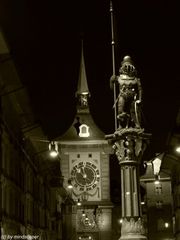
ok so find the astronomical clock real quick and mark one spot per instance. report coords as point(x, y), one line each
point(85, 175)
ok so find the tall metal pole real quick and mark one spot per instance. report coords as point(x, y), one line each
point(113, 62)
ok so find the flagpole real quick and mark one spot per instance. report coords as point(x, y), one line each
point(113, 63)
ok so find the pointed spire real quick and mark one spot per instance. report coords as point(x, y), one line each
point(82, 91)
point(82, 82)
point(83, 127)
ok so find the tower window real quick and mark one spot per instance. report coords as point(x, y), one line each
point(84, 131)
point(159, 204)
point(158, 189)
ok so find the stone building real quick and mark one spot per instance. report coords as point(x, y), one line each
point(161, 200)
point(28, 201)
point(171, 165)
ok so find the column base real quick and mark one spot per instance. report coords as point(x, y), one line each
point(133, 236)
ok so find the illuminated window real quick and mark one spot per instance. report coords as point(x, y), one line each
point(84, 131)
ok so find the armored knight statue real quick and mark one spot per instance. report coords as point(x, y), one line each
point(130, 95)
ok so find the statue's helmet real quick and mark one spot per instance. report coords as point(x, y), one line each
point(127, 67)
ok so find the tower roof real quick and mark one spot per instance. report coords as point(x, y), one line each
point(83, 128)
point(72, 134)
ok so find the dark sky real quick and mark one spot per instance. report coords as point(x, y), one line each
point(45, 43)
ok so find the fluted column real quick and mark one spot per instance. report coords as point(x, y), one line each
point(130, 193)
point(129, 145)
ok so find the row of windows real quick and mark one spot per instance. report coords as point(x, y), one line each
point(25, 197)
point(21, 179)
point(21, 208)
point(29, 184)
point(36, 215)
point(17, 170)
point(89, 155)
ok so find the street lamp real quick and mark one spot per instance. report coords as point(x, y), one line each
point(178, 149)
point(79, 202)
point(83, 213)
point(70, 186)
point(53, 148)
point(166, 224)
point(157, 180)
point(156, 167)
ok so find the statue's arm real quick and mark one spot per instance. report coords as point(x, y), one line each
point(113, 80)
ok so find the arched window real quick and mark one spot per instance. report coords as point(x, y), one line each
point(84, 130)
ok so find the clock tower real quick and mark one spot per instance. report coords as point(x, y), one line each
point(84, 156)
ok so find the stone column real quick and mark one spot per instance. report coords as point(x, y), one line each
point(129, 145)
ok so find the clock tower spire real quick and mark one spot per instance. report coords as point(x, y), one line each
point(82, 93)
point(85, 162)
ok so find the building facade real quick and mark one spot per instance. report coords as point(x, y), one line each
point(161, 200)
point(28, 202)
point(171, 164)
point(157, 204)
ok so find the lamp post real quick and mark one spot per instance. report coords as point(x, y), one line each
point(129, 142)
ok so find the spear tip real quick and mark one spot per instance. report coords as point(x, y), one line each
point(111, 6)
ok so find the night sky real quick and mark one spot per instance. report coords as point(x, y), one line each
point(45, 43)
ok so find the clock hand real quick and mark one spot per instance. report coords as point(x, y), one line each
point(83, 173)
point(87, 179)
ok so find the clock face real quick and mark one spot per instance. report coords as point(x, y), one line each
point(85, 176)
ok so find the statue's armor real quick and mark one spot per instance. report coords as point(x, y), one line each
point(128, 89)
point(129, 93)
